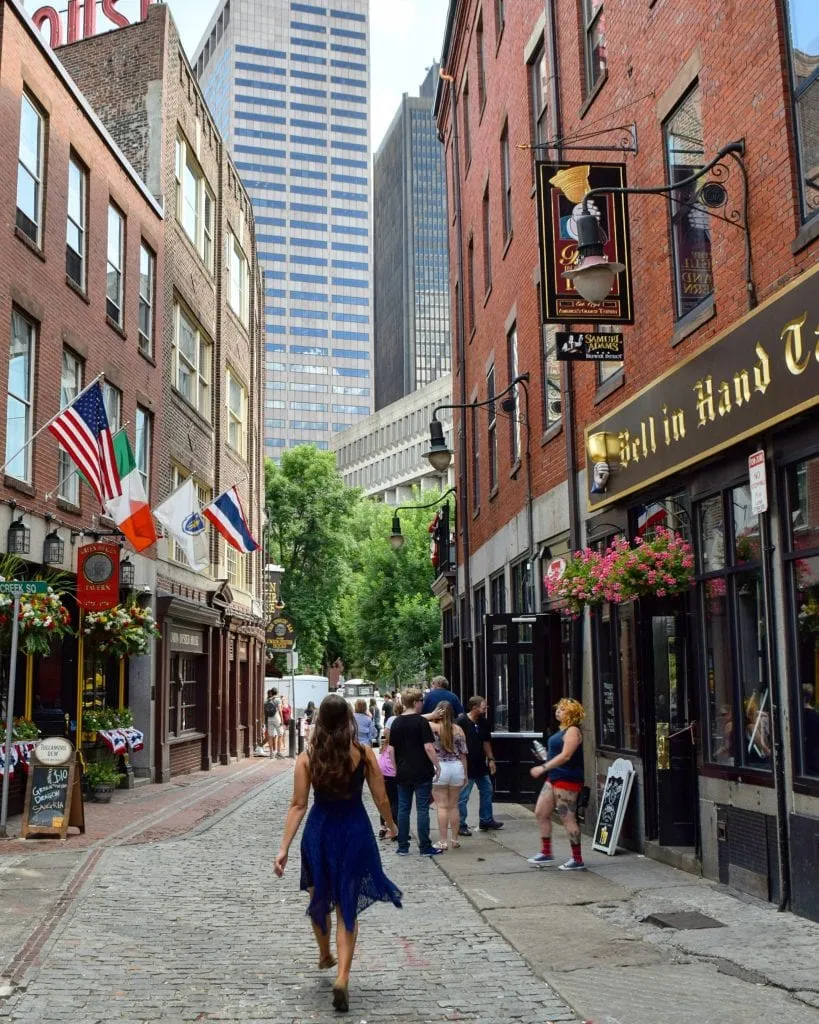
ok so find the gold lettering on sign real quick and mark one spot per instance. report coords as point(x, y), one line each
point(742, 387)
point(796, 359)
point(724, 404)
point(762, 370)
point(705, 401)
point(624, 438)
point(673, 426)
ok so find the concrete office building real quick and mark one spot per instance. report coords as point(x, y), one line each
point(411, 276)
point(384, 453)
point(288, 84)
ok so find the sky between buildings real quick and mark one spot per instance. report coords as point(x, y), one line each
point(406, 36)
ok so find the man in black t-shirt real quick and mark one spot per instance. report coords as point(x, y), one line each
point(480, 766)
point(412, 747)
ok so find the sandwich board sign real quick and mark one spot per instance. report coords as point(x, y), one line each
point(53, 794)
point(619, 779)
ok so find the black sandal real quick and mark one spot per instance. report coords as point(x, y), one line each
point(341, 1000)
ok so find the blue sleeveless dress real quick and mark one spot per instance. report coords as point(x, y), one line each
point(340, 859)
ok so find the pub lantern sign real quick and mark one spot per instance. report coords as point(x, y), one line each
point(560, 192)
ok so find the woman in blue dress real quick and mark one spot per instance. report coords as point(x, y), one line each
point(340, 863)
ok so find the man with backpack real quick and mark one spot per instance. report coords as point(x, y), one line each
point(274, 722)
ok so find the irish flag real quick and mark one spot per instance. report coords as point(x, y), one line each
point(131, 511)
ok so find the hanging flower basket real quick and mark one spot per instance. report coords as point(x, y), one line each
point(124, 631)
point(43, 618)
point(21, 729)
point(661, 566)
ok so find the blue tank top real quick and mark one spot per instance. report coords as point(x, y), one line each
point(571, 770)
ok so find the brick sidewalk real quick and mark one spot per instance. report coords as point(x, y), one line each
point(152, 812)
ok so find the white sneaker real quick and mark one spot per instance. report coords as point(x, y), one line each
point(541, 860)
point(572, 865)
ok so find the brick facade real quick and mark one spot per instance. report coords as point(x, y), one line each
point(140, 82)
point(67, 318)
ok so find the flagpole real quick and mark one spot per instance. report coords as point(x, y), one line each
point(75, 471)
point(96, 380)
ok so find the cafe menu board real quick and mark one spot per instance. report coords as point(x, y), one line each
point(53, 794)
point(613, 804)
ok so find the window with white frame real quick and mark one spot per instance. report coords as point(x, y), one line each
point(70, 386)
point(492, 431)
point(595, 42)
point(506, 182)
point(538, 92)
point(194, 201)
point(238, 292)
point(19, 398)
point(142, 450)
point(192, 362)
point(803, 38)
point(235, 565)
point(114, 278)
point(75, 229)
point(30, 164)
point(112, 400)
point(237, 413)
point(147, 285)
point(514, 426)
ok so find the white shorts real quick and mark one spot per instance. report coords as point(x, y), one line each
point(274, 727)
point(452, 774)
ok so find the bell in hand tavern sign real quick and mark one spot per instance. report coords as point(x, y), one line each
point(280, 636)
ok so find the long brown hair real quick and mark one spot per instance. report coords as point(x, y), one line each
point(333, 735)
point(445, 735)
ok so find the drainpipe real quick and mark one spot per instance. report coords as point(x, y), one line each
point(463, 490)
point(569, 425)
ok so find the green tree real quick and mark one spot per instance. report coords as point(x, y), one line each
point(310, 512)
point(389, 618)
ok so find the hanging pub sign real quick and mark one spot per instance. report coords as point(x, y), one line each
point(280, 635)
point(587, 346)
point(560, 191)
point(760, 372)
point(98, 577)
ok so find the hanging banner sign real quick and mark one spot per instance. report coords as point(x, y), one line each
point(280, 634)
point(560, 191)
point(80, 20)
point(98, 577)
point(588, 347)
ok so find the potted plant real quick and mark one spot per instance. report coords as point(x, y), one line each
point(102, 778)
point(123, 631)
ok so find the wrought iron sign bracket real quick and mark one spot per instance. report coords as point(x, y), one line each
point(627, 142)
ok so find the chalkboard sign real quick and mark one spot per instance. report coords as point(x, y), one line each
point(613, 803)
point(53, 795)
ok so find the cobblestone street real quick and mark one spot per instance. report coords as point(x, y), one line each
point(196, 928)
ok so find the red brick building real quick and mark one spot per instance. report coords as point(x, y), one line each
point(713, 695)
point(210, 665)
point(83, 254)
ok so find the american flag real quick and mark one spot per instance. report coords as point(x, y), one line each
point(82, 429)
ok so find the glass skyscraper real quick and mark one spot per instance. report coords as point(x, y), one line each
point(410, 251)
point(288, 86)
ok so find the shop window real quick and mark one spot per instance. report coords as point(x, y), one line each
point(184, 696)
point(615, 654)
point(523, 595)
point(802, 563)
point(690, 230)
point(737, 697)
point(479, 614)
point(803, 37)
point(497, 593)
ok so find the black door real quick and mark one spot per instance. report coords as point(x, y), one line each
point(674, 760)
point(518, 692)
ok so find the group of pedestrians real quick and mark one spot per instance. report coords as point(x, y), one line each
point(431, 749)
point(277, 713)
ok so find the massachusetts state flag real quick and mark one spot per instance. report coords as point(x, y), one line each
point(228, 516)
point(82, 429)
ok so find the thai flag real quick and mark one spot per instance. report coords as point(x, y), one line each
point(228, 516)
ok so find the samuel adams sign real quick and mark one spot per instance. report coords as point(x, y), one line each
point(760, 373)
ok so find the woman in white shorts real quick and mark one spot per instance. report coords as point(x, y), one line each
point(450, 746)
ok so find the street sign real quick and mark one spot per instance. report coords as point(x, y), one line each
point(759, 483)
point(23, 588)
point(587, 346)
